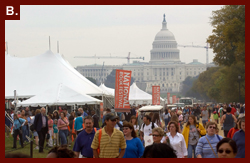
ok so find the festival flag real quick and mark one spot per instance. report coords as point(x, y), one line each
point(168, 96)
point(174, 99)
point(156, 95)
point(101, 109)
point(122, 86)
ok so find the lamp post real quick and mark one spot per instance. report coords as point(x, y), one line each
point(239, 77)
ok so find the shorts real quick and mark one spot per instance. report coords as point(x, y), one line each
point(204, 121)
point(35, 133)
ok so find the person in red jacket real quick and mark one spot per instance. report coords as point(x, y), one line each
point(233, 130)
point(233, 111)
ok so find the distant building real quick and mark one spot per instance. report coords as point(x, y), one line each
point(164, 68)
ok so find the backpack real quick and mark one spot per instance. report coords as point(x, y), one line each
point(153, 125)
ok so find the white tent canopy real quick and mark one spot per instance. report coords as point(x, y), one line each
point(109, 91)
point(31, 76)
point(138, 96)
point(59, 95)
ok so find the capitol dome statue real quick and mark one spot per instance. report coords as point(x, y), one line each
point(164, 47)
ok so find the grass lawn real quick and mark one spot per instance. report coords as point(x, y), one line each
point(26, 149)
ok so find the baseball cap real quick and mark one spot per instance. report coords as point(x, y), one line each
point(110, 116)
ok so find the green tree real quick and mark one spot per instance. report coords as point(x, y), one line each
point(228, 39)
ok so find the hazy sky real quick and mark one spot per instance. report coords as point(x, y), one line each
point(104, 30)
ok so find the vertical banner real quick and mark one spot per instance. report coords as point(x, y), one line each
point(122, 86)
point(168, 96)
point(156, 95)
point(101, 109)
point(174, 99)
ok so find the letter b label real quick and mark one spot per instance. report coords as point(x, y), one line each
point(9, 10)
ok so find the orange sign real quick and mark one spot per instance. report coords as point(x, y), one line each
point(168, 96)
point(174, 99)
point(156, 95)
point(101, 109)
point(122, 86)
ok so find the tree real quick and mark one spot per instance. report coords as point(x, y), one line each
point(187, 85)
point(92, 80)
point(228, 39)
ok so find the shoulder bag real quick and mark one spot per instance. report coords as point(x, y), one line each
point(20, 129)
point(199, 132)
point(211, 147)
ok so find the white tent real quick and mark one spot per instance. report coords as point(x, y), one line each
point(31, 76)
point(59, 95)
point(138, 96)
point(107, 90)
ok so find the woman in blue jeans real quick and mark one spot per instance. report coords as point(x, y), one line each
point(191, 134)
point(62, 125)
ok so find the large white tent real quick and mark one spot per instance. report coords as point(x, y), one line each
point(59, 95)
point(32, 75)
point(107, 90)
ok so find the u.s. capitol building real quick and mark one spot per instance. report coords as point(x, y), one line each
point(164, 68)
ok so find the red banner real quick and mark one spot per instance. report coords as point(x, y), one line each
point(168, 96)
point(156, 95)
point(174, 99)
point(122, 86)
point(101, 109)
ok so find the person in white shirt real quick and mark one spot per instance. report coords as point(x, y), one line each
point(147, 126)
point(177, 140)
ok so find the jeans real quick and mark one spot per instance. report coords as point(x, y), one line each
point(15, 133)
point(166, 121)
point(190, 150)
point(63, 134)
point(25, 132)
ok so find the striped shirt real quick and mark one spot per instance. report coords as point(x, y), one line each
point(110, 145)
point(203, 148)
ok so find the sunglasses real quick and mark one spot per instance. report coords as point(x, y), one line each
point(113, 120)
point(227, 151)
point(212, 127)
point(155, 135)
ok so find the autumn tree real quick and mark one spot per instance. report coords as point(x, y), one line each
point(228, 38)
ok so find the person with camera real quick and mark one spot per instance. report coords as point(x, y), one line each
point(17, 129)
point(192, 133)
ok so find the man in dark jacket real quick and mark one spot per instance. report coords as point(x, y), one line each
point(96, 119)
point(41, 126)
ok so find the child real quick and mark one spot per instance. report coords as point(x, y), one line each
point(56, 139)
point(50, 125)
point(216, 117)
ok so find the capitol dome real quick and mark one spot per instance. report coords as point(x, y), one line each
point(164, 34)
point(164, 46)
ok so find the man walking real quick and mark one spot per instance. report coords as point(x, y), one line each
point(84, 139)
point(96, 119)
point(83, 114)
point(41, 126)
point(111, 140)
point(147, 127)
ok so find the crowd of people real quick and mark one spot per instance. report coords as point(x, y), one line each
point(177, 133)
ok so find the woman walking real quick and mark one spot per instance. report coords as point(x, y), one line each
point(175, 119)
point(206, 147)
point(50, 126)
point(228, 121)
point(134, 122)
point(17, 130)
point(157, 134)
point(63, 128)
point(226, 148)
point(177, 140)
point(71, 133)
point(192, 133)
point(134, 147)
point(233, 130)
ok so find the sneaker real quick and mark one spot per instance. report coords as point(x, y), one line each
point(36, 148)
